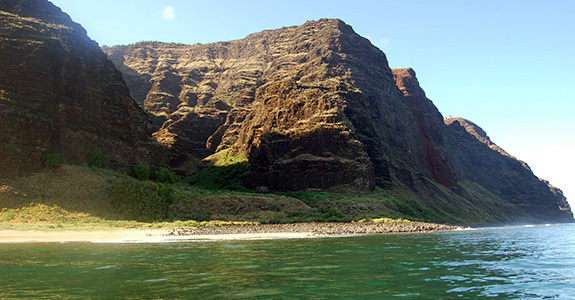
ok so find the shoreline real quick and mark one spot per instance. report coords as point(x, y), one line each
point(316, 228)
point(220, 233)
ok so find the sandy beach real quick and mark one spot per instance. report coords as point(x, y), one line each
point(225, 232)
point(127, 236)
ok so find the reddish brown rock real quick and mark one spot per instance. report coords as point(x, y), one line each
point(430, 126)
point(288, 99)
point(316, 106)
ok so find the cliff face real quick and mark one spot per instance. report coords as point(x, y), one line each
point(461, 156)
point(310, 107)
point(430, 126)
point(313, 106)
point(60, 94)
point(317, 107)
point(476, 158)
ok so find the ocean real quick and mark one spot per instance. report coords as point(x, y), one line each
point(523, 262)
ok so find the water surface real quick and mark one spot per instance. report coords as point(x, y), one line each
point(511, 263)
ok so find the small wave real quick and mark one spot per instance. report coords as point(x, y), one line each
point(407, 295)
point(156, 280)
point(107, 267)
point(464, 228)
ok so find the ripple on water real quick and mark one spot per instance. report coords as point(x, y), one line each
point(156, 280)
point(510, 263)
point(107, 267)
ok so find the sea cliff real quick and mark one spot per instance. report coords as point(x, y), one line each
point(310, 109)
point(316, 107)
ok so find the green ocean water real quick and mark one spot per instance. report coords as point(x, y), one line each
point(499, 263)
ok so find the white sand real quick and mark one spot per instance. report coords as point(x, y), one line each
point(143, 236)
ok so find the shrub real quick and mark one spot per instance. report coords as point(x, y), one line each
point(220, 177)
point(51, 160)
point(335, 213)
point(141, 172)
point(97, 159)
point(142, 201)
point(166, 176)
point(165, 190)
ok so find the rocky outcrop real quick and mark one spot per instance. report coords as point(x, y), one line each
point(312, 106)
point(60, 94)
point(430, 127)
point(316, 106)
point(476, 158)
point(462, 153)
point(482, 136)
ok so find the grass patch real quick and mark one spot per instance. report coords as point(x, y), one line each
point(38, 213)
point(37, 216)
point(226, 158)
point(412, 208)
point(490, 207)
point(351, 206)
point(159, 113)
point(84, 197)
point(199, 203)
point(225, 173)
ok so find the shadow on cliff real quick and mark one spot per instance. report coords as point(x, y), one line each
point(323, 158)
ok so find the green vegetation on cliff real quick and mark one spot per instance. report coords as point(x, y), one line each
point(84, 197)
point(303, 123)
point(147, 43)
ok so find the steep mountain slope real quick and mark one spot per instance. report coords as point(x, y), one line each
point(430, 126)
point(313, 106)
point(317, 107)
point(459, 152)
point(60, 94)
point(476, 158)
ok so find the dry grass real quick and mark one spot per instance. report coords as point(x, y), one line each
point(79, 197)
point(236, 206)
point(75, 189)
point(44, 217)
point(42, 214)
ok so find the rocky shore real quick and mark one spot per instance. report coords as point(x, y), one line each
point(313, 228)
point(220, 232)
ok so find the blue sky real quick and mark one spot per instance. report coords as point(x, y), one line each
point(506, 65)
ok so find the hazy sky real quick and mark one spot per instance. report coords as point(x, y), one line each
point(506, 65)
